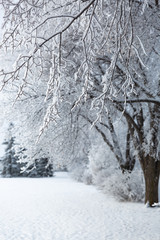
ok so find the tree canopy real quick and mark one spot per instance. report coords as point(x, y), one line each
point(79, 63)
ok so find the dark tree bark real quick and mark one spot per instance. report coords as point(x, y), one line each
point(151, 172)
point(150, 163)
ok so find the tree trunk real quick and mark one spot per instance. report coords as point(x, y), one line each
point(151, 176)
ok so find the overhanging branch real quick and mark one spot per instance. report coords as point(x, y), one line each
point(143, 100)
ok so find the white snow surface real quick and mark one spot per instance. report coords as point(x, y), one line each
point(60, 208)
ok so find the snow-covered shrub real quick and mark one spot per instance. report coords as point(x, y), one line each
point(77, 173)
point(77, 168)
point(109, 178)
point(87, 177)
point(101, 161)
point(125, 187)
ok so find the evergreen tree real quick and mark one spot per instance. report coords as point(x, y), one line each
point(12, 166)
point(40, 168)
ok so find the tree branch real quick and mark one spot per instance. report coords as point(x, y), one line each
point(142, 100)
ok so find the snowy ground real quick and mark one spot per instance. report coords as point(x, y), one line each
point(62, 209)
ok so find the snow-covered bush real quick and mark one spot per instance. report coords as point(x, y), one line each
point(109, 178)
point(101, 159)
point(77, 168)
point(125, 187)
point(87, 177)
point(77, 172)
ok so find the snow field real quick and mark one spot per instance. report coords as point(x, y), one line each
point(62, 209)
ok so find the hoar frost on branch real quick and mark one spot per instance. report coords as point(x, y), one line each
point(39, 29)
point(95, 60)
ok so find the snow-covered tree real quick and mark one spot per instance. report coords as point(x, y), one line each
point(41, 168)
point(11, 168)
point(60, 44)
